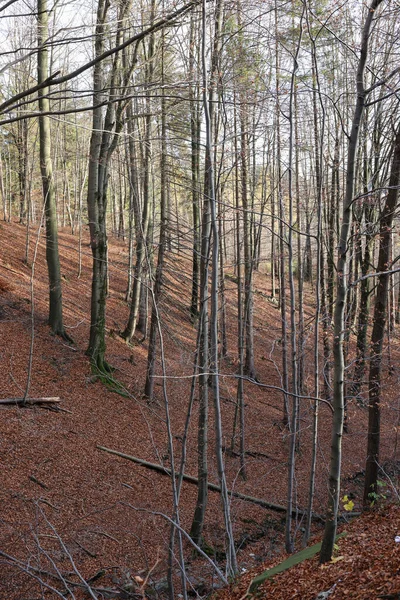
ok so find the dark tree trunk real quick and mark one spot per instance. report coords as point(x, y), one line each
point(195, 125)
point(378, 328)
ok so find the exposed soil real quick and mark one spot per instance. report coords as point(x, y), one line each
point(62, 496)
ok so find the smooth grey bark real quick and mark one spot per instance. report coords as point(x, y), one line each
point(151, 356)
point(204, 324)
point(231, 562)
point(21, 141)
point(195, 126)
point(239, 409)
point(274, 268)
point(246, 198)
point(203, 340)
point(96, 208)
point(143, 225)
point(281, 242)
point(340, 303)
point(300, 282)
point(249, 367)
point(134, 194)
point(46, 169)
point(332, 217)
point(2, 191)
point(104, 139)
point(319, 279)
point(208, 355)
point(293, 432)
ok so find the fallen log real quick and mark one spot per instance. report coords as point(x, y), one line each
point(30, 401)
point(289, 562)
point(211, 486)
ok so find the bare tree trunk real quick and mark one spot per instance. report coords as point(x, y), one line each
point(104, 139)
point(289, 541)
point(134, 199)
point(365, 259)
point(142, 230)
point(149, 385)
point(282, 245)
point(2, 191)
point(96, 209)
point(249, 367)
point(52, 255)
point(208, 354)
point(195, 171)
point(319, 279)
point(22, 148)
point(378, 328)
point(231, 563)
point(239, 409)
point(340, 304)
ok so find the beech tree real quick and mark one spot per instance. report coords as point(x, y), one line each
point(341, 295)
point(50, 207)
point(226, 144)
point(379, 324)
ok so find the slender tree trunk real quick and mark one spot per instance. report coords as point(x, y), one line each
point(102, 144)
point(142, 230)
point(149, 385)
point(378, 327)
point(2, 190)
point(340, 304)
point(289, 541)
point(195, 171)
point(52, 255)
point(231, 563)
point(134, 197)
point(368, 211)
point(332, 216)
point(300, 282)
point(282, 244)
point(249, 367)
point(319, 279)
point(208, 354)
point(239, 409)
point(22, 147)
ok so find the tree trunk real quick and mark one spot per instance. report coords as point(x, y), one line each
point(195, 125)
point(52, 255)
point(282, 245)
point(142, 226)
point(378, 328)
point(293, 434)
point(340, 304)
point(149, 385)
point(96, 209)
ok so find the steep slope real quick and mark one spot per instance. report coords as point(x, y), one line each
point(53, 475)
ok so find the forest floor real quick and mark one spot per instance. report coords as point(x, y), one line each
point(67, 504)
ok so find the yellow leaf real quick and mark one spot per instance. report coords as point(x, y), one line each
point(336, 559)
point(349, 505)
